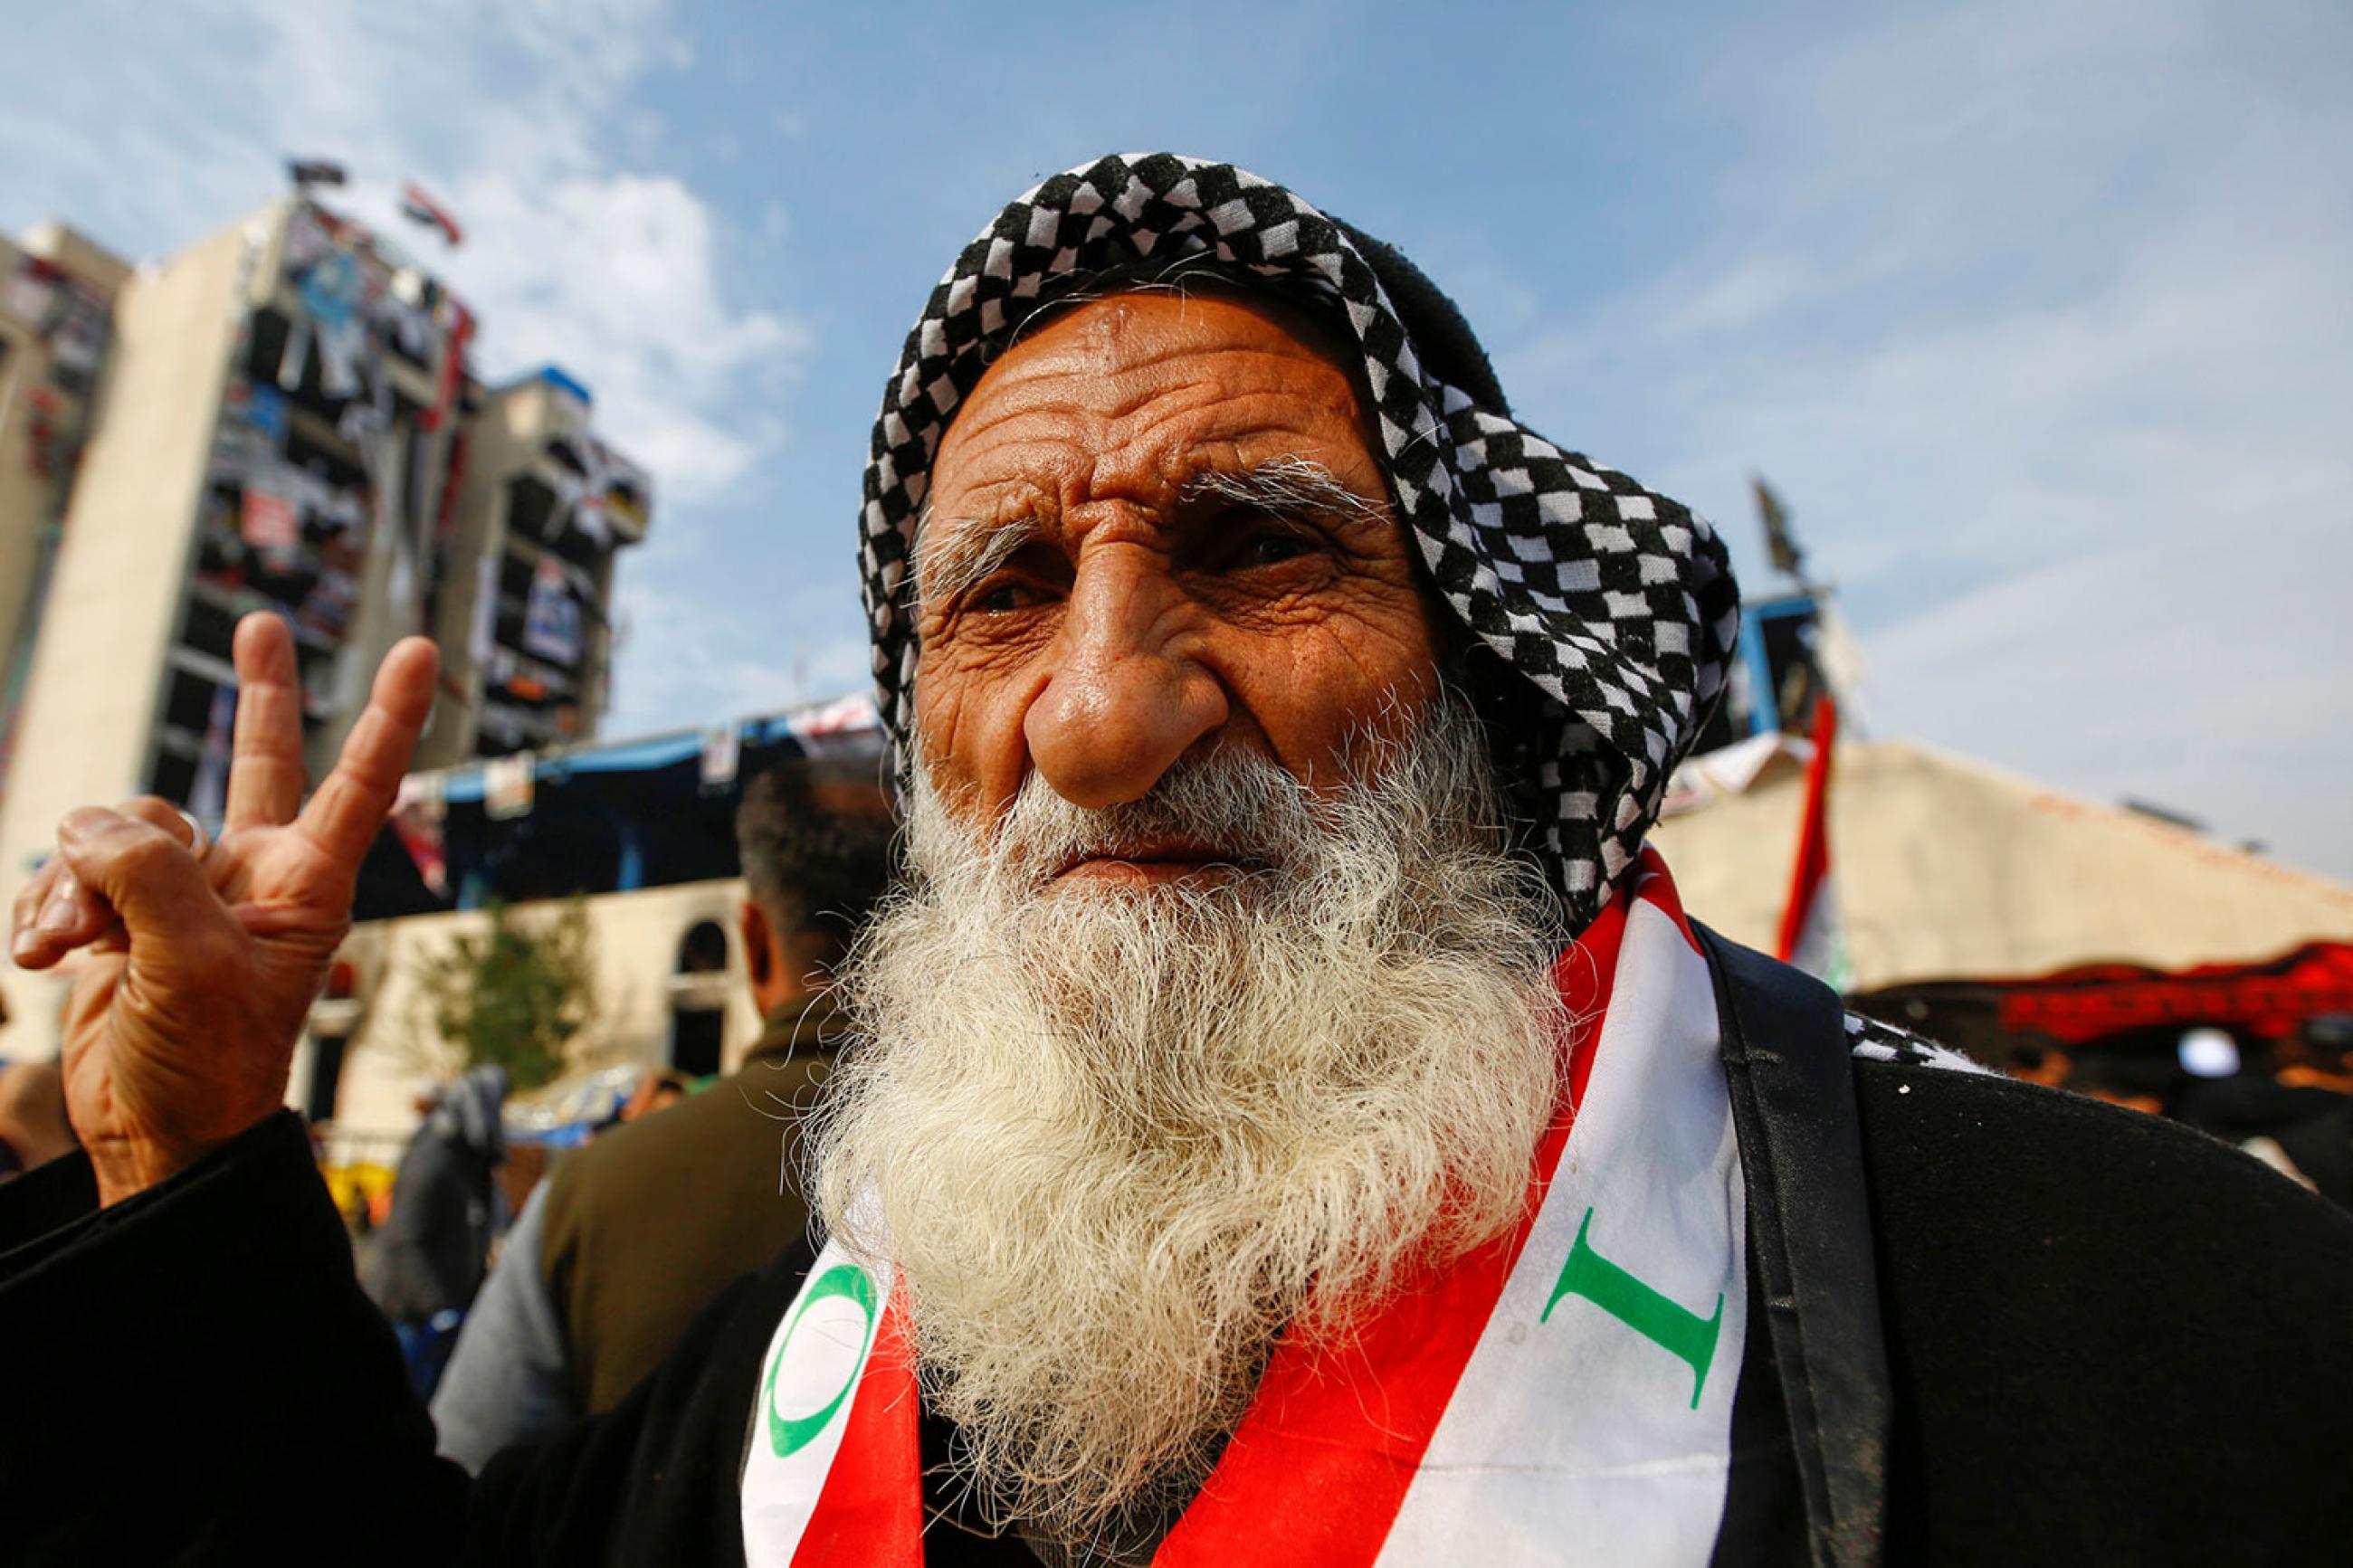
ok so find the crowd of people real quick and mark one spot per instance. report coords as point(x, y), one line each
point(1282, 1112)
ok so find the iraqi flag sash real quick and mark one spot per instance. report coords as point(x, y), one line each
point(1562, 1393)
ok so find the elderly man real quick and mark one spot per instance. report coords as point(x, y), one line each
point(1293, 1121)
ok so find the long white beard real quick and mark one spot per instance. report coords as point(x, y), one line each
point(1120, 1138)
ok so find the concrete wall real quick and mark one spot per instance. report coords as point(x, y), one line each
point(113, 608)
point(25, 496)
point(392, 1052)
point(28, 497)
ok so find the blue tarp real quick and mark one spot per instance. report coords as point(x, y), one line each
point(466, 785)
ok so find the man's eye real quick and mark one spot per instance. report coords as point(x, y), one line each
point(1001, 598)
point(1270, 549)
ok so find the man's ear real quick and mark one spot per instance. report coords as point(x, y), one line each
point(759, 946)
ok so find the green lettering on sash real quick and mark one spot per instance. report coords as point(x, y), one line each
point(1664, 1322)
point(787, 1435)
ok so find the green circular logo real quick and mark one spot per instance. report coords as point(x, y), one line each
point(788, 1435)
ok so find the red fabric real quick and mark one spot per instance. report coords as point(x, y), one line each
point(1337, 1434)
point(424, 209)
point(1654, 887)
point(870, 1513)
point(1813, 833)
point(444, 393)
point(2269, 1000)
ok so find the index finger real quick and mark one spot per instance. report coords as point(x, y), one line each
point(266, 774)
point(344, 816)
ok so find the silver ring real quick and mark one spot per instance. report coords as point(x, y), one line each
point(199, 841)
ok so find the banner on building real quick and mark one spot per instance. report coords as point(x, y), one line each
point(551, 617)
point(507, 785)
point(723, 754)
point(208, 795)
point(418, 815)
point(267, 518)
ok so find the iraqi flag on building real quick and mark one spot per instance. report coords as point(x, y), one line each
point(1812, 936)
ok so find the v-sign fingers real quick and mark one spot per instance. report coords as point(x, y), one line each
point(265, 776)
point(344, 816)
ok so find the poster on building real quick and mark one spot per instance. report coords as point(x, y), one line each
point(77, 342)
point(267, 518)
point(419, 813)
point(265, 410)
point(550, 617)
point(208, 795)
point(479, 630)
point(28, 295)
point(722, 753)
point(330, 291)
point(507, 786)
point(845, 726)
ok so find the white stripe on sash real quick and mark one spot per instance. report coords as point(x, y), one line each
point(807, 1382)
point(1583, 1429)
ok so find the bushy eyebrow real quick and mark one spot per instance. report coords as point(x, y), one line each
point(954, 553)
point(1284, 487)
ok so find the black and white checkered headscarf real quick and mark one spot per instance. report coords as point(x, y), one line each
point(1610, 611)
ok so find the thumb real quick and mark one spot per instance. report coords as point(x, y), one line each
point(146, 873)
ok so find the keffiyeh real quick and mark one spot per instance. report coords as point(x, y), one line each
point(1601, 615)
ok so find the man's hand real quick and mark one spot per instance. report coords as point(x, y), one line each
point(203, 962)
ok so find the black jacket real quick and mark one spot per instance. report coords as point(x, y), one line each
point(2105, 1340)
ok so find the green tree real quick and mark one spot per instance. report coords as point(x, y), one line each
point(520, 995)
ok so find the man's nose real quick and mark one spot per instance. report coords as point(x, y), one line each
point(1126, 697)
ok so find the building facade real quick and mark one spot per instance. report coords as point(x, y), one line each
point(641, 832)
point(281, 417)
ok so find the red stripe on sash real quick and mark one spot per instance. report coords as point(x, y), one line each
point(869, 1512)
point(1320, 1464)
point(1653, 885)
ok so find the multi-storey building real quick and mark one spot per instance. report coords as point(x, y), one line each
point(280, 417)
point(57, 293)
point(543, 505)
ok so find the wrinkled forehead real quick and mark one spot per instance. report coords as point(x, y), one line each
point(1085, 372)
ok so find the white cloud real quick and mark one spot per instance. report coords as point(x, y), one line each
point(581, 249)
point(513, 115)
point(614, 277)
point(2159, 671)
point(2037, 316)
point(688, 661)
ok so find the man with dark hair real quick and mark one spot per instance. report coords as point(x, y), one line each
point(617, 1250)
point(1288, 1119)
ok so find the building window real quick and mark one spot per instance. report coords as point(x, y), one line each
point(695, 1034)
point(326, 1077)
point(698, 1009)
point(703, 949)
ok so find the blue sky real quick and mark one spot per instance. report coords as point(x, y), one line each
point(2038, 314)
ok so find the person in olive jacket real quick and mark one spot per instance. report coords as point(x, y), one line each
point(630, 1238)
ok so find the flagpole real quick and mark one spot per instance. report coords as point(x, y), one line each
point(1813, 863)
